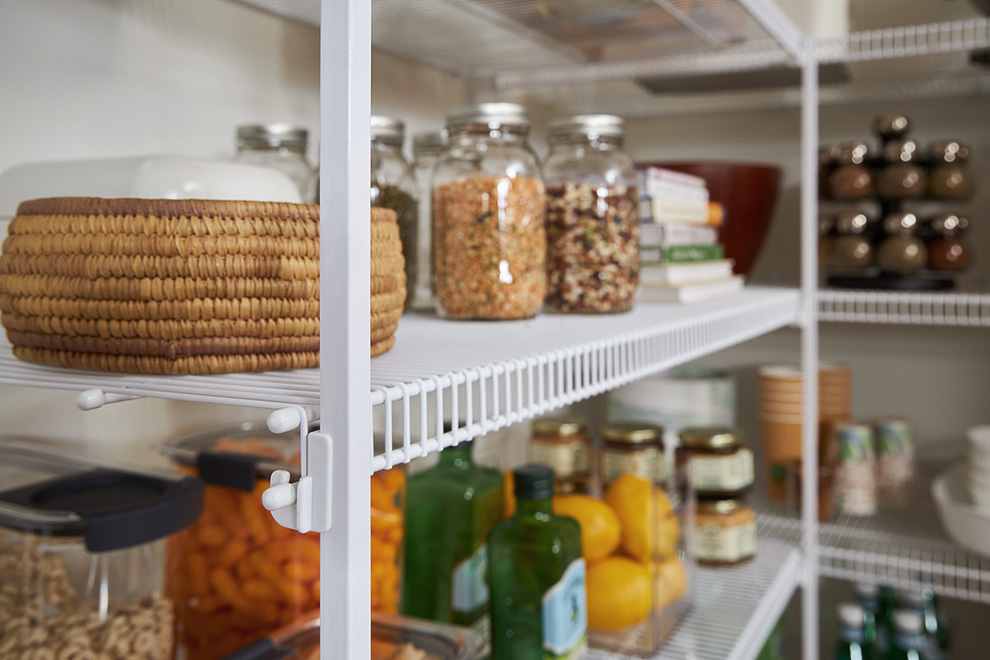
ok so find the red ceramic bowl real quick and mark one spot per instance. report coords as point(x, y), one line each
point(749, 192)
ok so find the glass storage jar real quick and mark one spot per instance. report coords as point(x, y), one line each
point(851, 248)
point(901, 177)
point(592, 216)
point(82, 568)
point(717, 464)
point(947, 251)
point(283, 147)
point(826, 228)
point(891, 126)
point(489, 205)
point(950, 176)
point(902, 250)
point(851, 179)
point(632, 448)
point(561, 444)
point(427, 148)
point(393, 186)
point(239, 575)
point(725, 532)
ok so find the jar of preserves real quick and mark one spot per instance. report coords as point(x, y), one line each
point(947, 251)
point(902, 250)
point(592, 216)
point(427, 148)
point(489, 205)
point(717, 464)
point(901, 177)
point(283, 147)
point(851, 248)
point(950, 176)
point(561, 444)
point(725, 532)
point(394, 187)
point(851, 179)
point(632, 448)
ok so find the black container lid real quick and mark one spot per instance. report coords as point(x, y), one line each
point(111, 508)
point(533, 482)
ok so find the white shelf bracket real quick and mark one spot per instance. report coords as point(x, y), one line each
point(305, 505)
point(97, 398)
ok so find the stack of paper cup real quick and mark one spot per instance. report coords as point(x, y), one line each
point(978, 467)
point(781, 412)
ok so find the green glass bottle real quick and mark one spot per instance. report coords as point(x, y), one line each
point(909, 641)
point(887, 601)
point(537, 577)
point(868, 598)
point(450, 509)
point(925, 604)
point(852, 643)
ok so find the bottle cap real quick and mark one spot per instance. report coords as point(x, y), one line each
point(850, 615)
point(388, 129)
point(533, 482)
point(603, 125)
point(907, 622)
point(504, 114)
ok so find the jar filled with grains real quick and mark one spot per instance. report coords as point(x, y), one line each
point(427, 149)
point(489, 204)
point(592, 216)
point(394, 187)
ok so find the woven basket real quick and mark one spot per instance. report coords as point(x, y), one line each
point(179, 286)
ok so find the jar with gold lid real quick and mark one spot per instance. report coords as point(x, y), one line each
point(632, 448)
point(717, 463)
point(950, 176)
point(561, 444)
point(902, 250)
point(901, 177)
point(725, 532)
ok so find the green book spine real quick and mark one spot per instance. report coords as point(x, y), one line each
point(691, 253)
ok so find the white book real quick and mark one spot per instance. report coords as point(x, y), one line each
point(685, 273)
point(679, 191)
point(678, 211)
point(673, 176)
point(690, 293)
point(663, 235)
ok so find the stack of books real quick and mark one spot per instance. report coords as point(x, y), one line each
point(681, 259)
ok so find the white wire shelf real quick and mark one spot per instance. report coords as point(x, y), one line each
point(734, 608)
point(894, 307)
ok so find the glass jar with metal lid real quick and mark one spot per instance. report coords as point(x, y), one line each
point(393, 186)
point(489, 205)
point(592, 216)
point(280, 146)
point(632, 448)
point(427, 149)
point(950, 176)
point(851, 248)
point(561, 444)
point(891, 126)
point(901, 177)
point(902, 250)
point(717, 463)
point(725, 532)
point(851, 179)
point(947, 251)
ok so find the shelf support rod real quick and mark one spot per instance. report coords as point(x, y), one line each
point(809, 347)
point(345, 307)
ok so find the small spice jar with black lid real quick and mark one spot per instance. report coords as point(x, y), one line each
point(947, 252)
point(891, 126)
point(901, 177)
point(950, 176)
point(725, 532)
point(718, 465)
point(561, 444)
point(632, 448)
point(851, 248)
point(902, 250)
point(851, 179)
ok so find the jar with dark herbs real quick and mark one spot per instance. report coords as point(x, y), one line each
point(851, 248)
point(851, 179)
point(950, 176)
point(489, 205)
point(901, 176)
point(947, 252)
point(592, 217)
point(902, 250)
point(394, 187)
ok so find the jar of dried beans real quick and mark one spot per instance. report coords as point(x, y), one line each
point(592, 217)
point(489, 238)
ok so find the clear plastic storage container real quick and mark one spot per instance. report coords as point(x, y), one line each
point(82, 558)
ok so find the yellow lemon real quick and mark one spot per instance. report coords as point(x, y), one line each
point(619, 593)
point(649, 523)
point(600, 529)
point(671, 582)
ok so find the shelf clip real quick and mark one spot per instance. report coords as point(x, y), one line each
point(305, 505)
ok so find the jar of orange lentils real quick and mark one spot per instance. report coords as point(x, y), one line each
point(236, 575)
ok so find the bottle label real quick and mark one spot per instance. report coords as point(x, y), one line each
point(726, 544)
point(565, 458)
point(722, 473)
point(649, 463)
point(468, 589)
point(565, 616)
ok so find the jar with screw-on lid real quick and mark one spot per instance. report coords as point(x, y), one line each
point(489, 205)
point(394, 187)
point(891, 126)
point(280, 146)
point(632, 448)
point(851, 179)
point(427, 148)
point(561, 444)
point(718, 464)
point(851, 248)
point(725, 532)
point(901, 177)
point(902, 250)
point(947, 251)
point(950, 176)
point(592, 216)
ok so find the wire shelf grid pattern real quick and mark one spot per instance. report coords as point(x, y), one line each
point(958, 309)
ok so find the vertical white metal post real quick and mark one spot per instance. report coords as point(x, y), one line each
point(809, 345)
point(345, 307)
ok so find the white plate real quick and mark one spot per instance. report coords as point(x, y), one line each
point(966, 524)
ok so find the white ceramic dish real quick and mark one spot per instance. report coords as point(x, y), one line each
point(966, 524)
